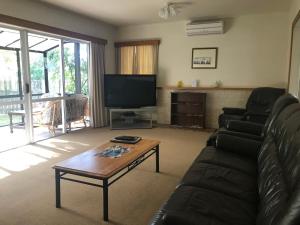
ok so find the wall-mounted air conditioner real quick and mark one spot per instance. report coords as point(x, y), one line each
point(205, 27)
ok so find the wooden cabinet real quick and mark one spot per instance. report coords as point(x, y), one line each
point(188, 109)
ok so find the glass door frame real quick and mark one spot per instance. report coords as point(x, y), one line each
point(63, 96)
point(24, 71)
point(26, 77)
point(26, 85)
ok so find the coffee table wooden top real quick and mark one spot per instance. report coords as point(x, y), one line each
point(90, 164)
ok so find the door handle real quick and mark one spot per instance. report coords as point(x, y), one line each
point(27, 88)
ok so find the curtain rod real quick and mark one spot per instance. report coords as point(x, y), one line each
point(138, 42)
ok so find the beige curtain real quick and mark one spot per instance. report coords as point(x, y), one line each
point(125, 60)
point(146, 59)
point(97, 71)
point(140, 59)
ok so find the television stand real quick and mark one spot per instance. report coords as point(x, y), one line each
point(137, 118)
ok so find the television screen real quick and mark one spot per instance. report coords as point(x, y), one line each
point(129, 91)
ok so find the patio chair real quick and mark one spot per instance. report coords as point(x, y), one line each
point(49, 116)
point(76, 109)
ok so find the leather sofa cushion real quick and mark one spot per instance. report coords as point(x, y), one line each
point(226, 159)
point(222, 179)
point(206, 207)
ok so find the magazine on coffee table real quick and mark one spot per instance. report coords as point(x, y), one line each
point(114, 151)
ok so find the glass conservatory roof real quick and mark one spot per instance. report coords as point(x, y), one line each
point(11, 39)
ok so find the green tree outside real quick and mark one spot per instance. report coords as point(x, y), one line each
point(53, 62)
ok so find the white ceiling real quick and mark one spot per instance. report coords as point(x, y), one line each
point(127, 12)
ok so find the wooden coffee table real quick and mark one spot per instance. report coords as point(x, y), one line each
point(107, 170)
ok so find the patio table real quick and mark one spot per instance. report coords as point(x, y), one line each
point(18, 113)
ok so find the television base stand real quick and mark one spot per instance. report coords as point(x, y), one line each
point(137, 118)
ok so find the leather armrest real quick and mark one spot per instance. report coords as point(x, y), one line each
point(240, 134)
point(256, 117)
point(238, 145)
point(234, 111)
point(245, 127)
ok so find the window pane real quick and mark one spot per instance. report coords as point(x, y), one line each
point(84, 68)
point(53, 66)
point(16, 44)
point(46, 45)
point(37, 72)
point(12, 125)
point(34, 40)
point(44, 67)
point(69, 62)
point(9, 81)
point(8, 36)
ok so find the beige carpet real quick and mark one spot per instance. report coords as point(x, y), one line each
point(27, 180)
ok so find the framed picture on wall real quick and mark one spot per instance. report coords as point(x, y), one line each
point(204, 58)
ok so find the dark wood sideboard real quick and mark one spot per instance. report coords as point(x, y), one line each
point(188, 109)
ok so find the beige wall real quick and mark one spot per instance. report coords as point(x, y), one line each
point(49, 15)
point(295, 63)
point(252, 52)
point(294, 85)
point(215, 101)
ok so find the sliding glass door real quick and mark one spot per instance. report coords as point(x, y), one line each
point(46, 85)
point(76, 84)
point(43, 86)
point(13, 123)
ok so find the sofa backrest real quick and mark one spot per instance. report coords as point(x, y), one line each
point(262, 99)
point(281, 103)
point(278, 171)
point(290, 214)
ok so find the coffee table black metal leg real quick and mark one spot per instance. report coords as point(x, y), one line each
point(57, 188)
point(105, 200)
point(157, 158)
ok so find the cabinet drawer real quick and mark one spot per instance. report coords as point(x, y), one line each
point(188, 97)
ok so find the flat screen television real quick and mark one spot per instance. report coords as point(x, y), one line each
point(129, 91)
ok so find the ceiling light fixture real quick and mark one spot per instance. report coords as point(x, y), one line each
point(172, 9)
point(169, 10)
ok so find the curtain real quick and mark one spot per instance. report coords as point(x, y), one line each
point(140, 59)
point(146, 59)
point(97, 70)
point(125, 59)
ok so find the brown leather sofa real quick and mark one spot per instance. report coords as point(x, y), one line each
point(258, 107)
